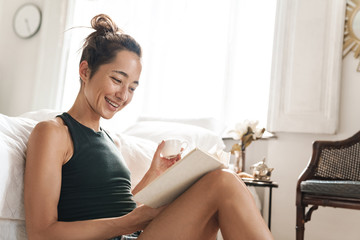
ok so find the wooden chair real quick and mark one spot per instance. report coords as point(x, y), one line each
point(331, 179)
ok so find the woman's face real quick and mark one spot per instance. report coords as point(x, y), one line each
point(112, 87)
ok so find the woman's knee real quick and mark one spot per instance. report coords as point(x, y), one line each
point(221, 178)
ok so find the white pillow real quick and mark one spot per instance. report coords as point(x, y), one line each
point(41, 115)
point(138, 145)
point(159, 130)
point(12, 229)
point(14, 134)
point(211, 124)
point(137, 153)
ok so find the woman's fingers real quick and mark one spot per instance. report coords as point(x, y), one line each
point(178, 157)
point(175, 159)
point(160, 147)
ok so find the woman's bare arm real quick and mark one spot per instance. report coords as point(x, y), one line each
point(49, 147)
point(157, 167)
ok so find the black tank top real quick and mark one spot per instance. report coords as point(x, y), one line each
point(95, 181)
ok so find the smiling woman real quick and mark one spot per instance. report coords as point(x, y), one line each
point(117, 91)
point(110, 55)
point(201, 58)
point(78, 186)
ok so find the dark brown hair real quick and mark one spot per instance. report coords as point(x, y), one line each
point(101, 46)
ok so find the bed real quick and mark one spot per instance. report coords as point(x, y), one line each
point(137, 144)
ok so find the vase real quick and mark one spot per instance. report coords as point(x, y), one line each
point(239, 161)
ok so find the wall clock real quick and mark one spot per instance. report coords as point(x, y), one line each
point(27, 20)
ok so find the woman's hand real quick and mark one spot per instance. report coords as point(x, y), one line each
point(144, 215)
point(160, 164)
point(157, 167)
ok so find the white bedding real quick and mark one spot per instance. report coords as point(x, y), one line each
point(137, 145)
point(11, 229)
point(159, 130)
point(138, 153)
point(14, 133)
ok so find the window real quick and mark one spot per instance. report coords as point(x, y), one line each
point(201, 58)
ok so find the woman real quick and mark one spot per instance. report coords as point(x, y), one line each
point(78, 187)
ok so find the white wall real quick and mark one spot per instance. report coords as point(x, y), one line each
point(288, 154)
point(30, 68)
point(17, 62)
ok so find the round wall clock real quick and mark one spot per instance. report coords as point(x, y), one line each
point(27, 20)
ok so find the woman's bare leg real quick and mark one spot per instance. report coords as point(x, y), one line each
point(219, 199)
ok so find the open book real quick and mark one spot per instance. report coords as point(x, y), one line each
point(179, 177)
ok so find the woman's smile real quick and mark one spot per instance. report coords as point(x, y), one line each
point(113, 104)
point(112, 86)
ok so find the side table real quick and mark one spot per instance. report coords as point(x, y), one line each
point(268, 184)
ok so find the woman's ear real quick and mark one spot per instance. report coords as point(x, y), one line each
point(84, 71)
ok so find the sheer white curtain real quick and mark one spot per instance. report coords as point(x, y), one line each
point(202, 58)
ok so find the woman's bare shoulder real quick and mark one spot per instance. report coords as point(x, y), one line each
point(50, 129)
point(51, 136)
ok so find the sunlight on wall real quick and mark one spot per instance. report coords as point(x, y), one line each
point(201, 58)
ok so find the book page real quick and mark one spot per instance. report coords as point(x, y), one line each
point(178, 178)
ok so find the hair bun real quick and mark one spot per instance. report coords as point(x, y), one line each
point(102, 23)
point(102, 45)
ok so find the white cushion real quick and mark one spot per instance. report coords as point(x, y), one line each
point(14, 134)
point(137, 153)
point(41, 115)
point(211, 124)
point(137, 146)
point(159, 130)
point(11, 229)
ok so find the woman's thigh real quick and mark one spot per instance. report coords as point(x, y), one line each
point(193, 215)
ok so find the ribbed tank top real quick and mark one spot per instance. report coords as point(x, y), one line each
point(95, 181)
